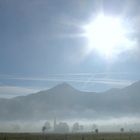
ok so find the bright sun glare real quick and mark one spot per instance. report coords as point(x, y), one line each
point(107, 36)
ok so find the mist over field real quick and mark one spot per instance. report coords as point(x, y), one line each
point(104, 125)
point(69, 66)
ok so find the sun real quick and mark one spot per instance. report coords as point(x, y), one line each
point(106, 35)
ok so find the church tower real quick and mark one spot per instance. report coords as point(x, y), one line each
point(54, 124)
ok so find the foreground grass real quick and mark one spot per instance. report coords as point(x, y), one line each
point(80, 136)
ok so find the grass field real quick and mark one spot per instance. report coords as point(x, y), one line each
point(80, 136)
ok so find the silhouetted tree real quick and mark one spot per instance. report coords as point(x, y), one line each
point(122, 130)
point(96, 131)
point(43, 129)
point(46, 127)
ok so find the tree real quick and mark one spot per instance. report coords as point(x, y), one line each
point(43, 129)
point(75, 127)
point(46, 127)
point(96, 131)
point(62, 127)
point(122, 130)
point(94, 127)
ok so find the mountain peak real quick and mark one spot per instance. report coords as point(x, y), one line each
point(64, 86)
point(63, 89)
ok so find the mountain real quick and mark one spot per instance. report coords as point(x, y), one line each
point(64, 101)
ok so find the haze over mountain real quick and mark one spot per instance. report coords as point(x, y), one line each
point(65, 102)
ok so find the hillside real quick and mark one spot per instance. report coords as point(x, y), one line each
point(64, 101)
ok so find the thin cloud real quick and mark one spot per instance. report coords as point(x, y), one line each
point(77, 78)
point(12, 91)
point(84, 79)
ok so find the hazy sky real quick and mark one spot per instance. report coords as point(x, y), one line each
point(40, 45)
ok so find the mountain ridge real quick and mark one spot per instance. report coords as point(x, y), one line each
point(64, 101)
